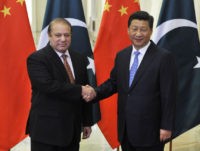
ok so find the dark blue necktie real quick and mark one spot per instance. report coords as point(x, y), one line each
point(134, 67)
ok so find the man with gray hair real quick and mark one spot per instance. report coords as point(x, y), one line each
point(58, 76)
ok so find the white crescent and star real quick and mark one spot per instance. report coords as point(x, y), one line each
point(170, 25)
point(74, 22)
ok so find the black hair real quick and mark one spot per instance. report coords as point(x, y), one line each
point(141, 15)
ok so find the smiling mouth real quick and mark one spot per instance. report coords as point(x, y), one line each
point(62, 45)
point(138, 40)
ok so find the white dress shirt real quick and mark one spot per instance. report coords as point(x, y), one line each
point(140, 57)
point(68, 60)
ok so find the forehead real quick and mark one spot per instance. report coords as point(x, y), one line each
point(60, 26)
point(137, 22)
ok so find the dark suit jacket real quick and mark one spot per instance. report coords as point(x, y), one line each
point(57, 109)
point(148, 105)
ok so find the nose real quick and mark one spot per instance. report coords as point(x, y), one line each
point(63, 38)
point(138, 33)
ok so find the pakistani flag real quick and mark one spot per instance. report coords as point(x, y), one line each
point(72, 10)
point(177, 32)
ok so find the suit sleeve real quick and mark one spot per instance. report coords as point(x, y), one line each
point(87, 112)
point(43, 79)
point(168, 88)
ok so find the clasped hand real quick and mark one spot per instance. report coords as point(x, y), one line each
point(88, 93)
point(165, 135)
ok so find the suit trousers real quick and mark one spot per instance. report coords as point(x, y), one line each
point(38, 146)
point(127, 146)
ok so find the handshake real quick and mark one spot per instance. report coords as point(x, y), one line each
point(88, 93)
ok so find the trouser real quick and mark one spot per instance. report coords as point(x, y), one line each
point(38, 146)
point(126, 146)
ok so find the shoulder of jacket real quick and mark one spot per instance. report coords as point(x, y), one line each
point(125, 50)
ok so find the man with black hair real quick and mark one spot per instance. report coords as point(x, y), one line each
point(145, 78)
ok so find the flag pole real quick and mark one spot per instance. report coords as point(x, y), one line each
point(118, 149)
point(170, 145)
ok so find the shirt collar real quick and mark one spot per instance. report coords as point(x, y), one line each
point(141, 50)
point(60, 54)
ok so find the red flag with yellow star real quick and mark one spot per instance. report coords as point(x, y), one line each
point(16, 44)
point(112, 37)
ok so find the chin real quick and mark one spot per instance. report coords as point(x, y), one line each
point(62, 50)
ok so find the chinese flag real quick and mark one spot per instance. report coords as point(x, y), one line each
point(112, 37)
point(16, 43)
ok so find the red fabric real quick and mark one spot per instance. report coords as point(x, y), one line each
point(16, 42)
point(112, 37)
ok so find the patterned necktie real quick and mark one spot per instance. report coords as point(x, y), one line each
point(68, 69)
point(134, 67)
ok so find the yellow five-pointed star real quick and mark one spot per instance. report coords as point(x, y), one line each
point(20, 1)
point(137, 1)
point(5, 11)
point(123, 10)
point(107, 6)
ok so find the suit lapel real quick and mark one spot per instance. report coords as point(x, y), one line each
point(57, 61)
point(75, 62)
point(125, 66)
point(146, 61)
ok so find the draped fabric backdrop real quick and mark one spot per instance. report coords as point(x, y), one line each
point(177, 31)
point(16, 44)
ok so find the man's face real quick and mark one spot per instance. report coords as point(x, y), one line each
point(60, 37)
point(139, 33)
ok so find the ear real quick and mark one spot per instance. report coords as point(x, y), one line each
point(49, 34)
point(128, 31)
point(151, 30)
